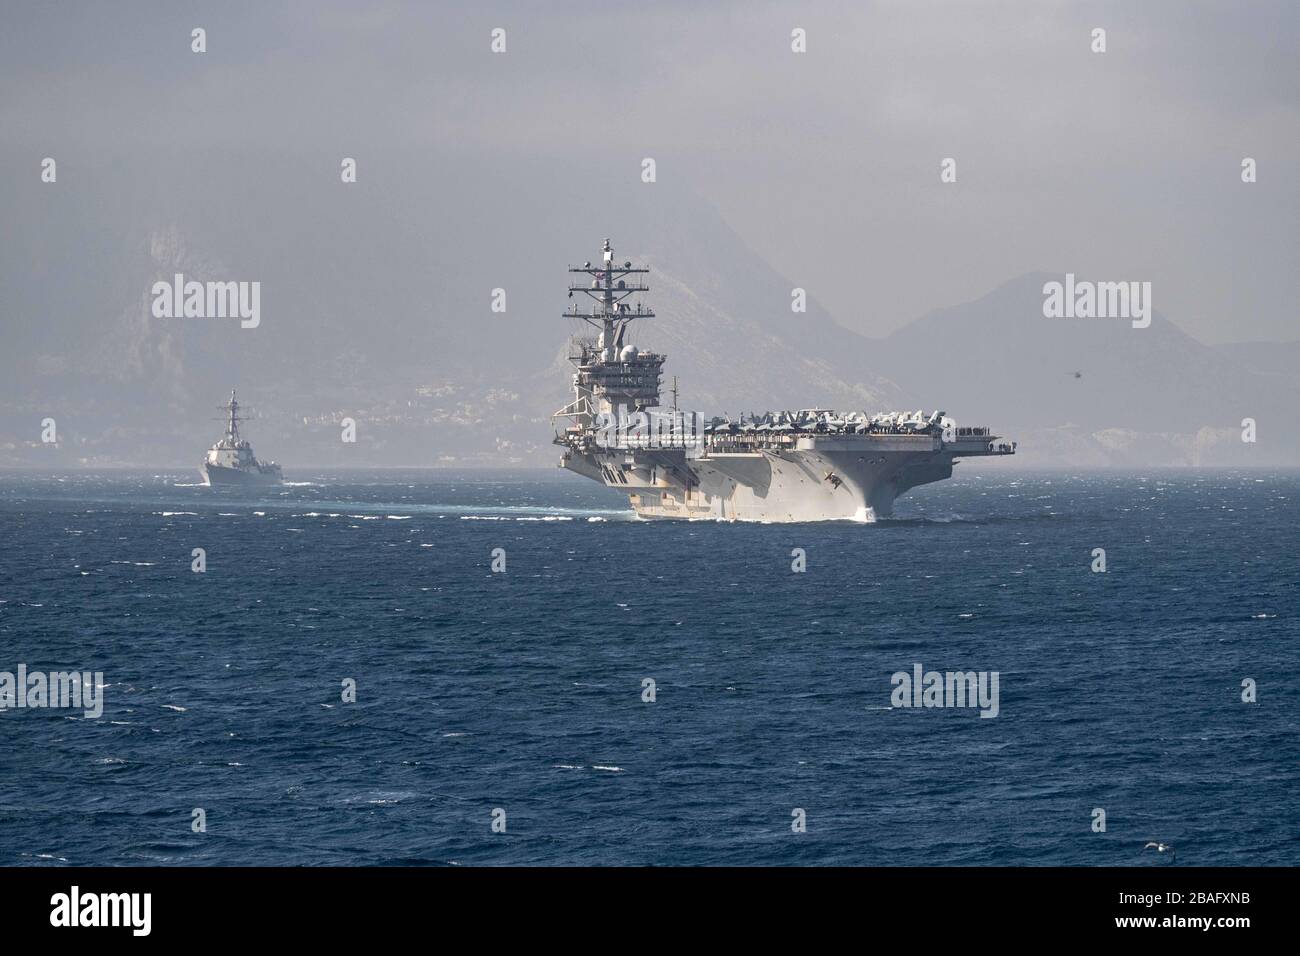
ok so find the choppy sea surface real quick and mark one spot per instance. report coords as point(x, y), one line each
point(524, 691)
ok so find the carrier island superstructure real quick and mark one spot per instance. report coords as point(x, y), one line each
point(812, 464)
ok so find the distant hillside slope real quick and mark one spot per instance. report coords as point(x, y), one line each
point(1093, 391)
point(375, 301)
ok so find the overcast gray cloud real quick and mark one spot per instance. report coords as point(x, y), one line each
point(826, 163)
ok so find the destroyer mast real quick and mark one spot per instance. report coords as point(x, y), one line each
point(233, 418)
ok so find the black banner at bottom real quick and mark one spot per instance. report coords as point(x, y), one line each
point(334, 905)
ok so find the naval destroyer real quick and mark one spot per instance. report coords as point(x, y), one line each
point(811, 464)
point(231, 461)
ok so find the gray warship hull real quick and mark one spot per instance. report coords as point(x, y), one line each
point(231, 460)
point(221, 475)
point(812, 478)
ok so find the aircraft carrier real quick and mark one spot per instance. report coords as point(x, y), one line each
point(231, 460)
point(811, 464)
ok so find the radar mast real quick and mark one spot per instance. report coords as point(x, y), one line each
point(613, 378)
point(233, 418)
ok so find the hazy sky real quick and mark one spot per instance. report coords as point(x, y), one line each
point(1122, 165)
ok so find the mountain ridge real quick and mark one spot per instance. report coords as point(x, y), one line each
point(376, 306)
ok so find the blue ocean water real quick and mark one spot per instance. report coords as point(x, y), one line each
point(523, 690)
